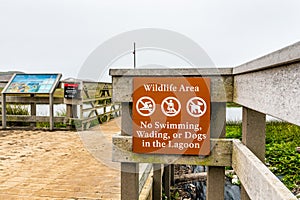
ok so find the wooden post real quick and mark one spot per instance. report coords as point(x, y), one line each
point(253, 136)
point(68, 114)
point(3, 110)
point(51, 111)
point(216, 175)
point(32, 111)
point(157, 181)
point(81, 117)
point(129, 181)
point(167, 180)
point(129, 171)
point(71, 112)
point(172, 174)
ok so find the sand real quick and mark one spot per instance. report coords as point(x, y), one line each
point(59, 164)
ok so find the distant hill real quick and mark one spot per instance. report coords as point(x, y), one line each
point(5, 76)
point(10, 72)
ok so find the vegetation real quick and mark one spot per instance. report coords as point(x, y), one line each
point(281, 155)
point(59, 113)
point(16, 109)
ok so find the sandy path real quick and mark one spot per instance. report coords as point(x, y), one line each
point(58, 165)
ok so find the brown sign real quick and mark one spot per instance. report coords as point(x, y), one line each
point(171, 115)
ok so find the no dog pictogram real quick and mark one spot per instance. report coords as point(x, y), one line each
point(196, 107)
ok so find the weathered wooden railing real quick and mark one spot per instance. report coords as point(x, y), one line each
point(94, 104)
point(269, 85)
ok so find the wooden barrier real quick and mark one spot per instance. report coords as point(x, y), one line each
point(98, 98)
point(95, 104)
point(269, 85)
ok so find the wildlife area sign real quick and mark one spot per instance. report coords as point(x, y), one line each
point(171, 115)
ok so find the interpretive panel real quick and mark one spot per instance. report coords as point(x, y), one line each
point(32, 83)
point(171, 115)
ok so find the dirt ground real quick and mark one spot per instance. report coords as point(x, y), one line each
point(59, 164)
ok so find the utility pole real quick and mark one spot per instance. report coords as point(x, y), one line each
point(134, 61)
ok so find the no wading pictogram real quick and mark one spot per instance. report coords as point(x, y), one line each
point(171, 115)
point(170, 106)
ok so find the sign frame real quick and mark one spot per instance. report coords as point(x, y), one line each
point(50, 90)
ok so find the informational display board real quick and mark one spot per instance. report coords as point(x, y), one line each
point(171, 115)
point(32, 83)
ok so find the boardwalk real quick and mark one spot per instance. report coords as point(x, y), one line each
point(58, 165)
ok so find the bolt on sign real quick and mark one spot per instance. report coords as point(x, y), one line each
point(171, 115)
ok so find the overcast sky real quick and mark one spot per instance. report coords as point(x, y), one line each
point(58, 35)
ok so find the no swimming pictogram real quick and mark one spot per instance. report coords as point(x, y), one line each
point(145, 106)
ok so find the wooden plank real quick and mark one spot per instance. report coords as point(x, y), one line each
point(272, 91)
point(29, 100)
point(89, 119)
point(282, 56)
point(73, 101)
point(99, 107)
point(26, 118)
point(221, 81)
point(95, 99)
point(221, 88)
point(220, 154)
point(257, 179)
point(145, 171)
point(171, 72)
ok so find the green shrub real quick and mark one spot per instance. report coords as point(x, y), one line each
point(281, 141)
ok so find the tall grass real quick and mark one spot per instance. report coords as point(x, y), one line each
point(16, 109)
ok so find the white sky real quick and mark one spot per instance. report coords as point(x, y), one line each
point(58, 35)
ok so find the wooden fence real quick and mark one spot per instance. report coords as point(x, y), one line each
point(269, 85)
point(93, 106)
